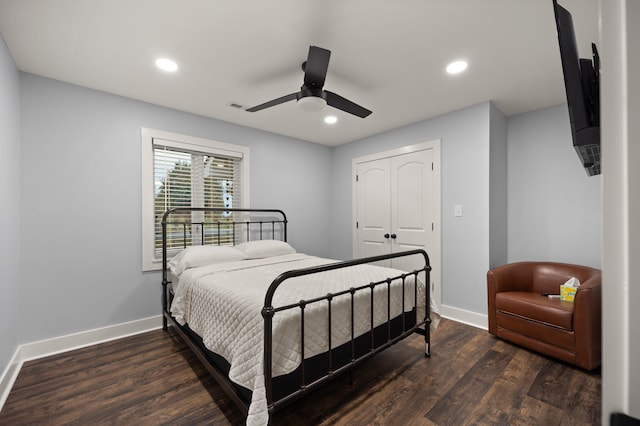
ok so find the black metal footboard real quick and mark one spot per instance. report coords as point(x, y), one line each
point(418, 326)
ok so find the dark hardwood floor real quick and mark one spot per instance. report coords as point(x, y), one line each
point(152, 379)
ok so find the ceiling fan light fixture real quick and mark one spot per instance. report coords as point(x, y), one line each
point(331, 119)
point(312, 103)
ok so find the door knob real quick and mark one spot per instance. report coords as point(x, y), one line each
point(386, 235)
point(393, 236)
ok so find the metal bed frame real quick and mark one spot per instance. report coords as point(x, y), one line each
point(266, 229)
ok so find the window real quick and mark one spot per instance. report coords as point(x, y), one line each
point(182, 171)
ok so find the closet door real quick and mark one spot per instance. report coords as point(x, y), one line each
point(374, 207)
point(396, 207)
point(411, 195)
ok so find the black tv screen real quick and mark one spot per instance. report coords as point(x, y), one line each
point(581, 81)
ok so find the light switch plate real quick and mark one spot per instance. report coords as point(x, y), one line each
point(457, 210)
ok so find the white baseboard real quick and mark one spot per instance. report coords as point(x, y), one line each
point(466, 317)
point(56, 345)
point(9, 377)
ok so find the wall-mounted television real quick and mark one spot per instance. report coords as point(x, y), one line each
point(582, 85)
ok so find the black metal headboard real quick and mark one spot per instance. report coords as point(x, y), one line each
point(186, 226)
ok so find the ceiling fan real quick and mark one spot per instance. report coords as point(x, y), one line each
point(311, 97)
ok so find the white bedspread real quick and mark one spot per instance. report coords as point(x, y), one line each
point(222, 303)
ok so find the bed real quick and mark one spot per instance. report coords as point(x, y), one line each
point(271, 324)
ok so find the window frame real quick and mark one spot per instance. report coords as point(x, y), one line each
point(191, 143)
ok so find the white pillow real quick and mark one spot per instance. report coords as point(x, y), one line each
point(195, 256)
point(265, 248)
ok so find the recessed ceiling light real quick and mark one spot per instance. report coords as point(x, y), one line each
point(331, 119)
point(457, 67)
point(166, 64)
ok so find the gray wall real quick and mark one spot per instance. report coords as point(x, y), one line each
point(555, 209)
point(80, 198)
point(10, 211)
point(524, 193)
point(465, 141)
point(81, 202)
point(498, 191)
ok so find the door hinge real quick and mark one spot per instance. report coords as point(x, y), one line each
point(356, 225)
point(432, 226)
point(431, 166)
point(356, 178)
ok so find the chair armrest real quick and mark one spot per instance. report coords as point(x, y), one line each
point(587, 322)
point(509, 277)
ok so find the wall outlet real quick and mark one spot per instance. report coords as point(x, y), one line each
point(457, 210)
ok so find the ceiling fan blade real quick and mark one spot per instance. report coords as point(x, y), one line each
point(346, 105)
point(274, 102)
point(315, 70)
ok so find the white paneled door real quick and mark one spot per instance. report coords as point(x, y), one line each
point(373, 183)
point(397, 205)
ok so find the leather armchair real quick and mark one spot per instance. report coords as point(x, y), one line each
point(519, 313)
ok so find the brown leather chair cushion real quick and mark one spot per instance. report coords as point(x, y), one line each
point(536, 308)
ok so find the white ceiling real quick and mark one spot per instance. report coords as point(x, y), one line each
point(388, 56)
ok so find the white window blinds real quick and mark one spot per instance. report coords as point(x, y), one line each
point(188, 178)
